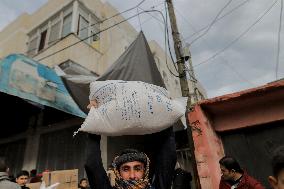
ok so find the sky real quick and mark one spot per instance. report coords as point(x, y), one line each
point(237, 51)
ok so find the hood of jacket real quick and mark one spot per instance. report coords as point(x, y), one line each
point(4, 175)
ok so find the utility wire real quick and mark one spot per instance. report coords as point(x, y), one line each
point(171, 56)
point(239, 37)
point(226, 63)
point(136, 6)
point(139, 19)
point(164, 22)
point(279, 40)
point(226, 14)
point(212, 23)
point(166, 39)
point(155, 6)
point(167, 36)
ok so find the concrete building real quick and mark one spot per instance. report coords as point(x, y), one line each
point(47, 36)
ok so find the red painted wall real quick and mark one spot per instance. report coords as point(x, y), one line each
point(208, 149)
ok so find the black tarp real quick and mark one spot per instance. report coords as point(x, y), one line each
point(14, 154)
point(135, 64)
point(252, 147)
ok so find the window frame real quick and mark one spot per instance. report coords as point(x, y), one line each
point(93, 26)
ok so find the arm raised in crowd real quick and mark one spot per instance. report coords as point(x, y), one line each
point(96, 173)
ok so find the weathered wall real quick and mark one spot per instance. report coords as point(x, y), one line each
point(208, 149)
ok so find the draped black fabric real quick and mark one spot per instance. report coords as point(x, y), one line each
point(60, 151)
point(135, 64)
point(252, 147)
point(12, 150)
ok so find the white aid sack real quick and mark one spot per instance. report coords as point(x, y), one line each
point(131, 108)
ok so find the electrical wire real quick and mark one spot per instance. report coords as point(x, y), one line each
point(171, 56)
point(239, 37)
point(152, 15)
point(165, 40)
point(226, 14)
point(279, 40)
point(136, 6)
point(139, 19)
point(167, 37)
point(212, 23)
point(226, 63)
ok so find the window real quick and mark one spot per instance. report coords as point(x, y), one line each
point(67, 21)
point(83, 26)
point(32, 48)
point(60, 25)
point(42, 40)
point(54, 32)
point(95, 29)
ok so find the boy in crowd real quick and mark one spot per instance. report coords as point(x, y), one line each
point(22, 179)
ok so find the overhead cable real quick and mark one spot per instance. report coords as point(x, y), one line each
point(171, 56)
point(127, 10)
point(226, 14)
point(212, 23)
point(239, 37)
point(279, 40)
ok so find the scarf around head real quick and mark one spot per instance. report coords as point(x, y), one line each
point(120, 183)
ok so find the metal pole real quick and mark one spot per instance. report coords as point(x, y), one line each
point(184, 85)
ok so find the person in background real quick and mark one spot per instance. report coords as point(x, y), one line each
point(83, 184)
point(277, 180)
point(22, 179)
point(34, 177)
point(5, 182)
point(182, 178)
point(234, 177)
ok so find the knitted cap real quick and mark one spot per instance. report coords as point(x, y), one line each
point(129, 155)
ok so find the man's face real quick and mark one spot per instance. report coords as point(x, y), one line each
point(22, 180)
point(226, 173)
point(134, 170)
point(277, 183)
point(84, 184)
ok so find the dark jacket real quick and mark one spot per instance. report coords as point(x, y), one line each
point(247, 182)
point(164, 143)
point(24, 187)
point(6, 183)
point(182, 179)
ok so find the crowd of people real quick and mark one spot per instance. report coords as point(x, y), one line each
point(131, 170)
point(23, 178)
